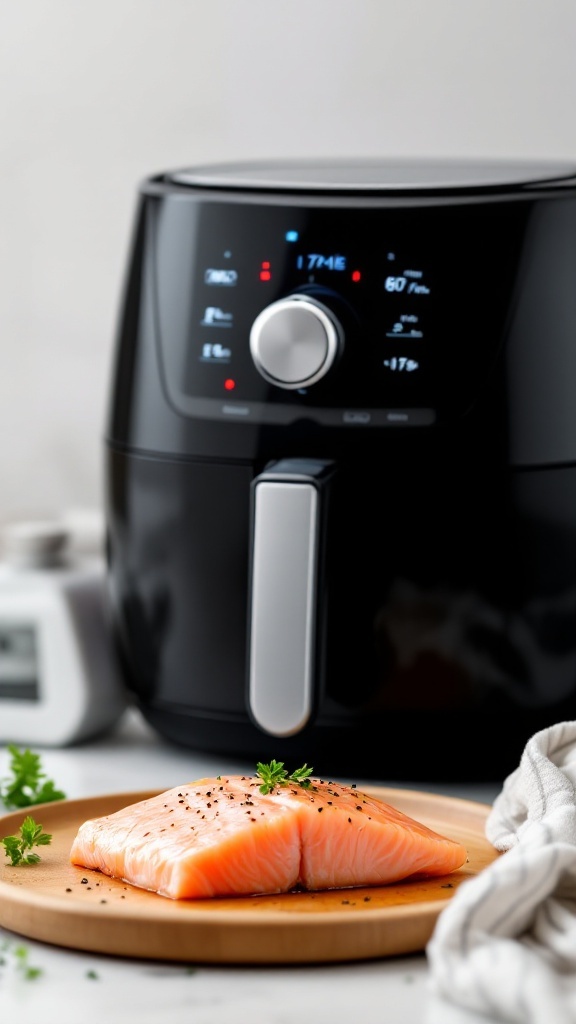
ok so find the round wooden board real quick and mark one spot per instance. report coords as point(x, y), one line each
point(55, 902)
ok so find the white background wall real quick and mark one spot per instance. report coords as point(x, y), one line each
point(96, 95)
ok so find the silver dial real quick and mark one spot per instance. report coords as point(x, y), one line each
point(295, 341)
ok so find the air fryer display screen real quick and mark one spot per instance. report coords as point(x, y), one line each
point(420, 293)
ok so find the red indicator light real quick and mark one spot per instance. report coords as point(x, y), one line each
point(356, 275)
point(229, 384)
point(265, 273)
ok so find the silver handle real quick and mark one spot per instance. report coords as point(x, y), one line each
point(286, 547)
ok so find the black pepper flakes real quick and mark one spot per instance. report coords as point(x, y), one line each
point(84, 881)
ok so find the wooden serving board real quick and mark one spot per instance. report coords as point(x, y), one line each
point(59, 903)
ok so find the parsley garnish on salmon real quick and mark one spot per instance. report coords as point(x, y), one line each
point(275, 774)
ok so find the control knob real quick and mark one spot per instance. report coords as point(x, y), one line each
point(295, 341)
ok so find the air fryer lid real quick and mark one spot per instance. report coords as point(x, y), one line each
point(374, 175)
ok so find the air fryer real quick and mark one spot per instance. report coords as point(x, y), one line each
point(340, 463)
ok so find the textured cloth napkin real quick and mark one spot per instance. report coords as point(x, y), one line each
point(505, 946)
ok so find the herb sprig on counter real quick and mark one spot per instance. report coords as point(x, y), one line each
point(30, 835)
point(19, 956)
point(275, 774)
point(28, 784)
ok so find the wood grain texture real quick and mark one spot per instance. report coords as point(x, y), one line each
point(59, 903)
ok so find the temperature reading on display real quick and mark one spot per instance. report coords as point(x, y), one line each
point(401, 363)
point(319, 261)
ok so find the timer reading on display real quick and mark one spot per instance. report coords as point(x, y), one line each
point(319, 261)
point(406, 283)
point(312, 262)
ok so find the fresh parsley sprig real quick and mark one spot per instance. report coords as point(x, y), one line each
point(275, 774)
point(30, 835)
point(28, 784)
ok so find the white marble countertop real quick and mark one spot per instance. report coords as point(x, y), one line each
point(75, 986)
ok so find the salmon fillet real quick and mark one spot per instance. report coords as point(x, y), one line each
point(222, 837)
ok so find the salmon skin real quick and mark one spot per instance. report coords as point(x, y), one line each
point(223, 837)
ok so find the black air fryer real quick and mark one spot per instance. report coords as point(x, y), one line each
point(341, 463)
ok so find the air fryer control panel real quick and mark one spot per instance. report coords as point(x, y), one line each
point(372, 315)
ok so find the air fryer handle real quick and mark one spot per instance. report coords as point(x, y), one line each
point(288, 513)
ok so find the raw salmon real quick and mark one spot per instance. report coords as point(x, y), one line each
point(222, 836)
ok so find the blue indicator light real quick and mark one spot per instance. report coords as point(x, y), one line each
point(291, 236)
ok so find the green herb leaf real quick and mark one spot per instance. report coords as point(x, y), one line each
point(30, 973)
point(301, 776)
point(28, 784)
point(274, 774)
point(30, 835)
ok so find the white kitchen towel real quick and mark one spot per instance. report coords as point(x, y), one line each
point(505, 946)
